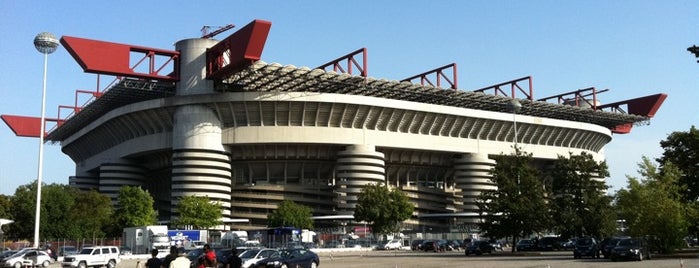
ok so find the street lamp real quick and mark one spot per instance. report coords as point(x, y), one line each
point(46, 43)
point(514, 106)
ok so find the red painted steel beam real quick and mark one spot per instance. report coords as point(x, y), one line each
point(644, 106)
point(439, 73)
point(514, 87)
point(351, 63)
point(237, 51)
point(109, 58)
point(25, 126)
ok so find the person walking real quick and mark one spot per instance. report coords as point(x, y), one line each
point(153, 262)
point(208, 259)
point(233, 260)
point(170, 257)
point(181, 261)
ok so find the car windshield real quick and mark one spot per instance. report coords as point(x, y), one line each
point(250, 253)
point(628, 242)
point(584, 242)
point(86, 251)
point(524, 242)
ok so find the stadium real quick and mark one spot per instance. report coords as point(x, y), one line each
point(210, 118)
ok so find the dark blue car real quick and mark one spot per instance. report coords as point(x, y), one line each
point(290, 258)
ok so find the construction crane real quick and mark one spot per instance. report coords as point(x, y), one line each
point(206, 34)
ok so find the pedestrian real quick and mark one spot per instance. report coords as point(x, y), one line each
point(208, 259)
point(181, 261)
point(154, 262)
point(170, 257)
point(233, 260)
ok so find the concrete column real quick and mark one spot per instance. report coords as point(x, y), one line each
point(472, 175)
point(357, 166)
point(200, 163)
point(114, 175)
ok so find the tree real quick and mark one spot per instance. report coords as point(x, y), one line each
point(92, 212)
point(199, 212)
point(288, 213)
point(682, 150)
point(382, 208)
point(651, 206)
point(135, 208)
point(23, 206)
point(56, 200)
point(517, 207)
point(578, 204)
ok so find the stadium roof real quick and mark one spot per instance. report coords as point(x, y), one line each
point(264, 77)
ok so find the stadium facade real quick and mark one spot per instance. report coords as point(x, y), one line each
point(221, 123)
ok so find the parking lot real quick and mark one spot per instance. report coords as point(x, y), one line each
point(407, 259)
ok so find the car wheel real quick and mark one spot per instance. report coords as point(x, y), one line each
point(640, 256)
point(284, 265)
point(111, 264)
point(314, 265)
point(18, 264)
point(46, 263)
point(82, 265)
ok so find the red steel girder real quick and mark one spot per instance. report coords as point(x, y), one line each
point(237, 51)
point(26, 126)
point(514, 87)
point(644, 106)
point(351, 63)
point(109, 58)
point(440, 74)
point(578, 96)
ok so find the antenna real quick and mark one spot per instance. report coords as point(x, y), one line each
point(205, 30)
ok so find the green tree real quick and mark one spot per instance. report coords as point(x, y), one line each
point(682, 150)
point(651, 206)
point(578, 204)
point(135, 208)
point(288, 213)
point(517, 207)
point(93, 213)
point(5, 207)
point(199, 212)
point(23, 206)
point(382, 208)
point(56, 199)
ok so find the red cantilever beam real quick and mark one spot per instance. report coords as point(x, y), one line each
point(25, 126)
point(644, 106)
point(237, 51)
point(109, 58)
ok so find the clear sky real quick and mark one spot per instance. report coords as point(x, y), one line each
point(634, 48)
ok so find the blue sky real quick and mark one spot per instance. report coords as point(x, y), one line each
point(633, 48)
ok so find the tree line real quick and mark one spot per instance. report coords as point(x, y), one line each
point(567, 198)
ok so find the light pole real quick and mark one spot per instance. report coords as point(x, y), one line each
point(46, 43)
point(514, 106)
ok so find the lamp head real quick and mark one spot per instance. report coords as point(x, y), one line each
point(46, 43)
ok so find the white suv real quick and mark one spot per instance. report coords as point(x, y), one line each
point(93, 257)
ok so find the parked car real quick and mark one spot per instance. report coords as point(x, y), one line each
point(586, 247)
point(631, 249)
point(5, 254)
point(607, 244)
point(301, 258)
point(393, 244)
point(434, 245)
point(37, 258)
point(67, 250)
point(569, 244)
point(455, 244)
point(417, 244)
point(525, 245)
point(251, 256)
point(549, 243)
point(479, 247)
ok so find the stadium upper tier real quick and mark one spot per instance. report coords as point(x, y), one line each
point(264, 77)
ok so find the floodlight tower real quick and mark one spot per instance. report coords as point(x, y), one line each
point(46, 43)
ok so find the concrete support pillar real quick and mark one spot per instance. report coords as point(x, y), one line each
point(357, 166)
point(114, 175)
point(200, 163)
point(472, 175)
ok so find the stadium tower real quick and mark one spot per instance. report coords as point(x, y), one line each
point(211, 119)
